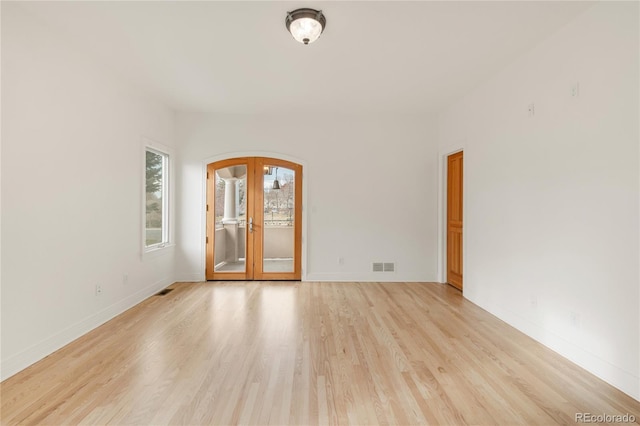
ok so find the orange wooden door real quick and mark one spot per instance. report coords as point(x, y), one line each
point(454, 219)
point(228, 248)
point(277, 218)
point(254, 230)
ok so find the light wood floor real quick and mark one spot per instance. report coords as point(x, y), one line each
point(306, 353)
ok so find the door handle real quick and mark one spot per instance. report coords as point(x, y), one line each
point(250, 224)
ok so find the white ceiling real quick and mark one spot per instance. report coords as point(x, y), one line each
point(237, 57)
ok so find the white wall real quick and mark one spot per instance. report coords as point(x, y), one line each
point(552, 201)
point(370, 188)
point(71, 193)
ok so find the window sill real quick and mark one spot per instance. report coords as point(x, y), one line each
point(158, 251)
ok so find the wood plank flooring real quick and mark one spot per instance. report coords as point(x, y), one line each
point(306, 353)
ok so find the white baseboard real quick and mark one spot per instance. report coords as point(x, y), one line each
point(616, 376)
point(33, 354)
point(367, 277)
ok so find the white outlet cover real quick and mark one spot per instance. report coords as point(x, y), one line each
point(575, 90)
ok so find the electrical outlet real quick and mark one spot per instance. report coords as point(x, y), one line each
point(98, 289)
point(125, 279)
point(575, 90)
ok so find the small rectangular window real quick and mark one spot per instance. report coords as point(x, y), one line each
point(156, 199)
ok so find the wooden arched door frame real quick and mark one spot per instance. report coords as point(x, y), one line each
point(254, 240)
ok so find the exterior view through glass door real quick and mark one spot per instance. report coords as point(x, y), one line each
point(254, 217)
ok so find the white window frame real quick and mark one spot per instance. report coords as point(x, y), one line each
point(167, 159)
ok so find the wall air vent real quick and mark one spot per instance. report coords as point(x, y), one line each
point(383, 266)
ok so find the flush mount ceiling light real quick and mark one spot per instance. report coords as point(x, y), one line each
point(306, 25)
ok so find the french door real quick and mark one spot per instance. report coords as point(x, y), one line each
point(254, 219)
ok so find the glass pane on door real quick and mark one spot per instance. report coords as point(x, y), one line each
point(279, 214)
point(230, 219)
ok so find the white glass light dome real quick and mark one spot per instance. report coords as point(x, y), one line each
point(306, 25)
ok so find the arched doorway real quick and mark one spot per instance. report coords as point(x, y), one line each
point(254, 219)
